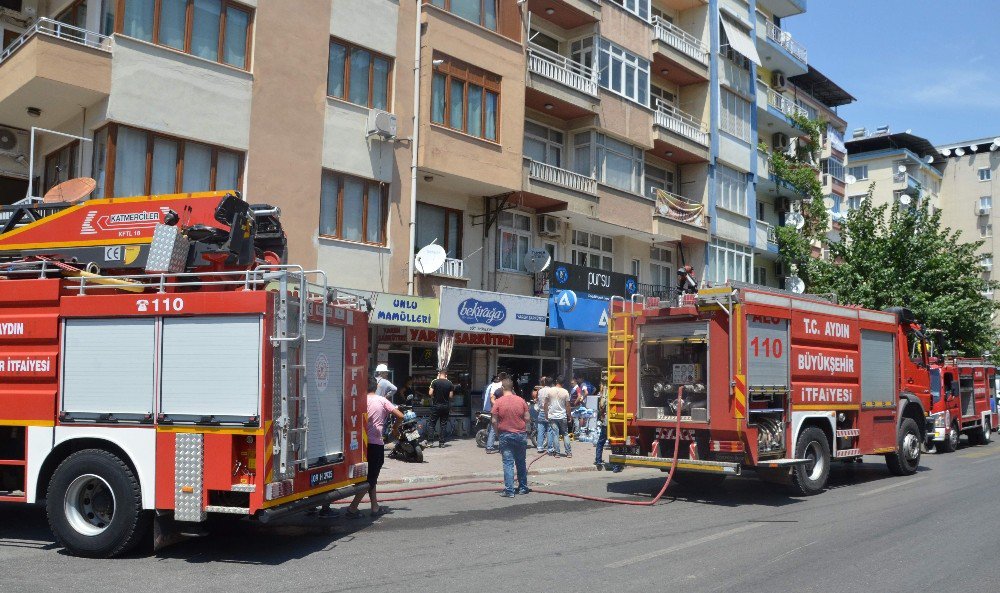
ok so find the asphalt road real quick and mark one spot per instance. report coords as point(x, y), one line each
point(935, 531)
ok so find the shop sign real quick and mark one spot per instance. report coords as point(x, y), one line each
point(409, 311)
point(578, 312)
point(489, 312)
point(401, 335)
point(592, 281)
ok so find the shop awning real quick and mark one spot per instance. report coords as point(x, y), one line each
point(740, 41)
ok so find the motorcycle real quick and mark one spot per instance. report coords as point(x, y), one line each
point(409, 445)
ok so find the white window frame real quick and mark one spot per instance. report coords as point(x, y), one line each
point(854, 202)
point(860, 172)
point(735, 113)
point(986, 202)
point(509, 230)
point(660, 265)
point(637, 268)
point(590, 150)
point(605, 256)
point(730, 255)
point(652, 179)
point(632, 77)
point(733, 187)
point(985, 174)
point(639, 8)
point(554, 141)
point(834, 167)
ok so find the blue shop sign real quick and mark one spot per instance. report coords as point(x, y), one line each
point(578, 312)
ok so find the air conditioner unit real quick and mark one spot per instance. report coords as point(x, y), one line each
point(381, 123)
point(987, 265)
point(778, 81)
point(779, 142)
point(14, 144)
point(550, 226)
point(983, 210)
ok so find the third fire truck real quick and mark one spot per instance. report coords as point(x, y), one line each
point(775, 382)
point(963, 395)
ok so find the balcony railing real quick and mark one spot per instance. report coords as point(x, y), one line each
point(680, 40)
point(765, 234)
point(561, 177)
point(452, 268)
point(783, 103)
point(660, 291)
point(676, 207)
point(784, 39)
point(675, 120)
point(562, 70)
point(58, 30)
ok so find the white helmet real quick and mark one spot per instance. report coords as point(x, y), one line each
point(382, 368)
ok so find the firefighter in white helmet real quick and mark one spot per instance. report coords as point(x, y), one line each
point(385, 387)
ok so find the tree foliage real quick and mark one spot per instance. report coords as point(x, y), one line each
point(901, 256)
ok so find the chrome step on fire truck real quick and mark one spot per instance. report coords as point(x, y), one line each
point(160, 364)
point(775, 382)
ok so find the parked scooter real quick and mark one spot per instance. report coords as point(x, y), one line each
point(409, 444)
point(483, 420)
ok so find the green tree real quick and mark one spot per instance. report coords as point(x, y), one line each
point(901, 256)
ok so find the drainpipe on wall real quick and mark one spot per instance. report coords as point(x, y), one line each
point(413, 150)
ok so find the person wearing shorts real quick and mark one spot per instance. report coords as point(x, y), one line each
point(379, 409)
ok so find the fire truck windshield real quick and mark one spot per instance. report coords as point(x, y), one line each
point(667, 363)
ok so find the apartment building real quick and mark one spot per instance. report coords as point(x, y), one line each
point(969, 182)
point(902, 166)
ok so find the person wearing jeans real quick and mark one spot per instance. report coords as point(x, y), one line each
point(602, 437)
point(542, 435)
point(511, 417)
point(555, 407)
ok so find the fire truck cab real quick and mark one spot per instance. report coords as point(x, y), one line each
point(775, 382)
point(963, 402)
point(159, 364)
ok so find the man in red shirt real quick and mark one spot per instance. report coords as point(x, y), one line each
point(510, 419)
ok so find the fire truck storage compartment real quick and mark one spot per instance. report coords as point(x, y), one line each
point(211, 367)
point(673, 354)
point(325, 394)
point(967, 388)
point(108, 368)
point(878, 377)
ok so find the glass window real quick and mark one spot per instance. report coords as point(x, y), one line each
point(658, 178)
point(130, 162)
point(474, 114)
point(592, 250)
point(490, 117)
point(173, 21)
point(732, 186)
point(61, 165)
point(380, 83)
point(515, 240)
point(623, 72)
point(619, 164)
point(163, 179)
point(358, 75)
point(138, 19)
point(735, 115)
point(100, 160)
point(543, 144)
point(227, 170)
point(374, 227)
point(859, 172)
point(984, 174)
point(640, 8)
point(335, 78)
point(481, 12)
point(471, 107)
point(197, 167)
point(729, 261)
point(329, 205)
point(353, 210)
point(439, 225)
point(235, 39)
point(205, 28)
point(456, 104)
point(438, 96)
point(582, 161)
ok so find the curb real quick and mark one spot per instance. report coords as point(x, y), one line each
point(480, 475)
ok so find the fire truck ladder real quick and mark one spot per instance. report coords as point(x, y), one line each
point(291, 421)
point(619, 344)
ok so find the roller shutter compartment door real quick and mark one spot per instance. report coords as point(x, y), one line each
point(109, 366)
point(324, 363)
point(878, 363)
point(211, 366)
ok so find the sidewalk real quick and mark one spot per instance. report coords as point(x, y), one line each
point(462, 460)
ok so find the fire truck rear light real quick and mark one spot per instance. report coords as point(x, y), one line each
point(727, 446)
point(278, 490)
point(358, 470)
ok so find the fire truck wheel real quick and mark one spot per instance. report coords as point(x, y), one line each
point(981, 436)
point(94, 505)
point(810, 478)
point(907, 456)
point(951, 443)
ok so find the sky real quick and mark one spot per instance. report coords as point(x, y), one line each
point(931, 66)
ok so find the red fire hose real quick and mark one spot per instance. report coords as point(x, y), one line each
point(645, 503)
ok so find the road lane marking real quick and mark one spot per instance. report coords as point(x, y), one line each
point(978, 454)
point(683, 546)
point(890, 486)
point(986, 458)
point(789, 552)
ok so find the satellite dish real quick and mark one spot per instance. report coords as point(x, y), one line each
point(909, 130)
point(905, 199)
point(430, 259)
point(946, 153)
point(973, 148)
point(959, 152)
point(929, 159)
point(663, 209)
point(796, 220)
point(795, 284)
point(901, 168)
point(537, 260)
point(851, 179)
point(996, 141)
point(71, 191)
point(994, 146)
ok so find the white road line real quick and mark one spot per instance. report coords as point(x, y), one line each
point(891, 486)
point(985, 459)
point(683, 546)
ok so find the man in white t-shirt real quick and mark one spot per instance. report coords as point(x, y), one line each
point(489, 398)
point(555, 405)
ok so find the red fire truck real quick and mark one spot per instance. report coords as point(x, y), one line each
point(963, 392)
point(159, 364)
point(776, 382)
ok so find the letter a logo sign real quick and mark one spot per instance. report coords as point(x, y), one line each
point(604, 319)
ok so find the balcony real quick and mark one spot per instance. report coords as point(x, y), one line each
point(909, 183)
point(783, 8)
point(545, 173)
point(451, 273)
point(671, 118)
point(678, 208)
point(566, 14)
point(559, 86)
point(55, 67)
point(766, 238)
point(779, 51)
point(784, 104)
point(679, 55)
point(776, 112)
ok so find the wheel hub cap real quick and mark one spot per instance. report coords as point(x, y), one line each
point(911, 447)
point(89, 504)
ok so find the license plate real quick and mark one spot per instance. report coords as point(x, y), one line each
point(413, 435)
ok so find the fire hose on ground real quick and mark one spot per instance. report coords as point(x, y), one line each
point(643, 503)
